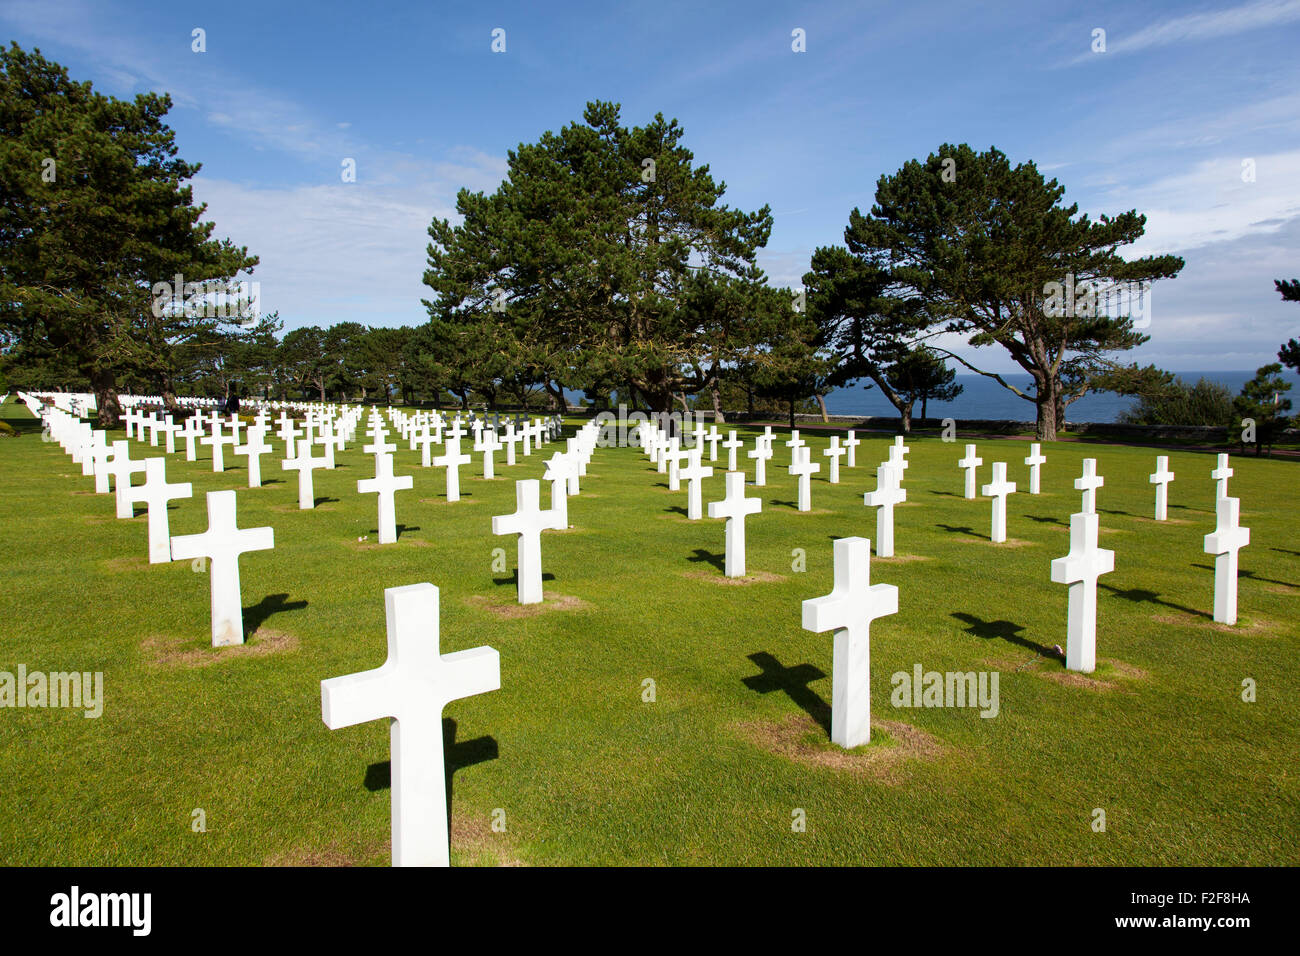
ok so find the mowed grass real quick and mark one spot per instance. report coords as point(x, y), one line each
point(569, 756)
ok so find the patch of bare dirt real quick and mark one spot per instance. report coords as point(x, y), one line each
point(132, 562)
point(165, 651)
point(1009, 543)
point(444, 501)
point(470, 836)
point(371, 543)
point(899, 558)
point(512, 610)
point(475, 836)
point(1253, 625)
point(881, 760)
point(1052, 669)
point(753, 577)
point(320, 856)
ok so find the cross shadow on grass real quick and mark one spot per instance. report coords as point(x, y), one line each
point(1286, 551)
point(1252, 575)
point(1002, 630)
point(785, 504)
point(677, 508)
point(457, 755)
point(323, 501)
point(950, 494)
point(962, 529)
point(513, 579)
point(719, 561)
point(256, 615)
point(1048, 519)
point(1143, 596)
point(794, 682)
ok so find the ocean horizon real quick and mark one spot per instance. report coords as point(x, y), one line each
point(984, 398)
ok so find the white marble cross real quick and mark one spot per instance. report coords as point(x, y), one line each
point(1161, 480)
point(734, 507)
point(675, 455)
point(900, 463)
point(713, 437)
point(1227, 539)
point(794, 442)
point(900, 452)
point(218, 442)
point(255, 449)
point(1221, 475)
point(694, 473)
point(425, 440)
point(304, 464)
point(288, 433)
point(804, 467)
point(574, 465)
point(970, 464)
point(329, 441)
point(489, 445)
point(411, 689)
point(385, 484)
point(222, 544)
point(1080, 570)
point(852, 443)
point(761, 453)
point(511, 440)
point(854, 602)
point(528, 522)
point(560, 467)
point(452, 461)
point(1035, 462)
point(1089, 484)
point(998, 490)
point(169, 429)
point(378, 447)
point(192, 430)
point(155, 492)
point(834, 453)
point(731, 444)
point(888, 493)
point(122, 468)
point(101, 453)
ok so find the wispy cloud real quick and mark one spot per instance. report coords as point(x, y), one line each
point(1193, 27)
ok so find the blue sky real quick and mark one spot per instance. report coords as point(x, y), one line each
point(1162, 122)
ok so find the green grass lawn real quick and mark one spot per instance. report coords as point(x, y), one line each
point(735, 742)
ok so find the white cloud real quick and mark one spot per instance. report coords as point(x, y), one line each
point(1211, 203)
point(346, 252)
point(1211, 25)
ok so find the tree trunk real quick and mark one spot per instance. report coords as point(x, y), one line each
point(109, 409)
point(169, 396)
point(1047, 410)
point(925, 400)
point(681, 398)
point(905, 413)
point(792, 414)
point(821, 402)
point(718, 417)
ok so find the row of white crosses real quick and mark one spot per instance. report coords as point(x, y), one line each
point(971, 463)
point(529, 520)
point(1225, 542)
point(221, 544)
